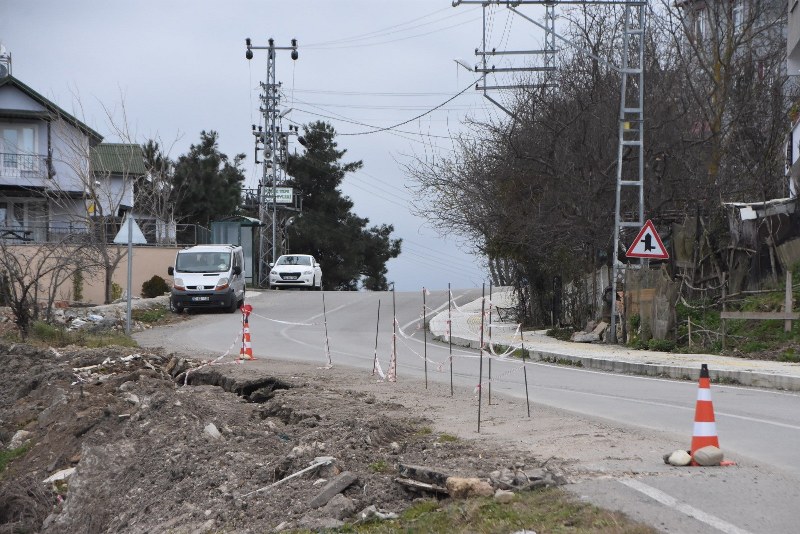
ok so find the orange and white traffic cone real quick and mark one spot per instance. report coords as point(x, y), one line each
point(705, 428)
point(246, 352)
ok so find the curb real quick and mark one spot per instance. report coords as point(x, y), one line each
point(744, 378)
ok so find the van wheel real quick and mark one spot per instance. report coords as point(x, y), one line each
point(175, 308)
point(234, 304)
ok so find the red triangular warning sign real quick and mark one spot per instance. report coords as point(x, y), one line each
point(647, 244)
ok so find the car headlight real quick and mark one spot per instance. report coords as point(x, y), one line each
point(309, 271)
point(274, 272)
point(221, 284)
point(178, 284)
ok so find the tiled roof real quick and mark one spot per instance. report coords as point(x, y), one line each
point(118, 158)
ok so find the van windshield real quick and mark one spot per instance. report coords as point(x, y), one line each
point(294, 260)
point(203, 262)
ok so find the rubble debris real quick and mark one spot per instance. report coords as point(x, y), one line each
point(678, 458)
point(462, 488)
point(592, 334)
point(335, 486)
point(708, 456)
point(135, 442)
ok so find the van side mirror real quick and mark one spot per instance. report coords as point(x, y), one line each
point(271, 265)
point(237, 270)
point(170, 270)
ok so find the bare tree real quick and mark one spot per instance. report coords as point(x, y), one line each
point(732, 55)
point(96, 191)
point(32, 273)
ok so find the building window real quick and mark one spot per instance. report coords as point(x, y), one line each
point(24, 219)
point(738, 15)
point(700, 24)
point(18, 147)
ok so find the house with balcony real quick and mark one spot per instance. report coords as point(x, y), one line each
point(57, 178)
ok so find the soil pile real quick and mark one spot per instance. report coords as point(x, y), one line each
point(155, 449)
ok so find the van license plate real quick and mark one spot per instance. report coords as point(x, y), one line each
point(199, 298)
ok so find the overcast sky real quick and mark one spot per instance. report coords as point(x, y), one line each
point(179, 68)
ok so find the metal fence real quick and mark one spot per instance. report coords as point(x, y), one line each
point(13, 165)
point(104, 230)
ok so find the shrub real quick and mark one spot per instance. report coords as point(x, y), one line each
point(663, 345)
point(155, 287)
point(116, 291)
point(77, 285)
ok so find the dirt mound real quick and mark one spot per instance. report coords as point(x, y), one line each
point(233, 448)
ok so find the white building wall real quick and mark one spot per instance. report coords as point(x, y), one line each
point(793, 39)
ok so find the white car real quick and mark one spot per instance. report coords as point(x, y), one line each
point(295, 270)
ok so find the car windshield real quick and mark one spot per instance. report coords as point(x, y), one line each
point(294, 260)
point(203, 262)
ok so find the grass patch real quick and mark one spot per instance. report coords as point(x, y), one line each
point(765, 338)
point(43, 334)
point(447, 438)
point(561, 361)
point(549, 510)
point(7, 456)
point(564, 334)
point(380, 467)
point(149, 315)
point(424, 431)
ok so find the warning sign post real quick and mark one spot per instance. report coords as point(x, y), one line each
point(648, 244)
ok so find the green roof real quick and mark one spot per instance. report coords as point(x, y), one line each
point(118, 158)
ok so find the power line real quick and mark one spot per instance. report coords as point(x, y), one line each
point(373, 33)
point(335, 46)
point(418, 116)
point(359, 123)
point(369, 93)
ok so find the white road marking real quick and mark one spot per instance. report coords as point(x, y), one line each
point(682, 507)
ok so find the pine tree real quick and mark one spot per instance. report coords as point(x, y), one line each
point(350, 253)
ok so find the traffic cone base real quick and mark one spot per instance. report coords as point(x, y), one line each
point(705, 427)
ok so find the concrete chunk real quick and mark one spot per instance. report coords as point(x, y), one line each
point(422, 474)
point(333, 488)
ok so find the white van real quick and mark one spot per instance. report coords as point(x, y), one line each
point(208, 276)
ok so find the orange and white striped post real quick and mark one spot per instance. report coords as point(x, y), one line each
point(705, 427)
point(246, 352)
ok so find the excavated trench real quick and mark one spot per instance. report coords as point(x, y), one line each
point(257, 390)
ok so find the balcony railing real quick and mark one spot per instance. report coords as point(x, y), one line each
point(186, 234)
point(13, 165)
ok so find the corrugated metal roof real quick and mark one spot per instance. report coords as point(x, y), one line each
point(118, 158)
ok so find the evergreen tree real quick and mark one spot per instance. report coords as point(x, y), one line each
point(210, 184)
point(349, 251)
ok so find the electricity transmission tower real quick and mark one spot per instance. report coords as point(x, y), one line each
point(630, 150)
point(275, 203)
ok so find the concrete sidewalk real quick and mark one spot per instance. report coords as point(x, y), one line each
point(466, 331)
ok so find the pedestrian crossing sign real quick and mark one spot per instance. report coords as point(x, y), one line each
point(648, 244)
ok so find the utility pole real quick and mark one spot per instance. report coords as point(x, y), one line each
point(274, 145)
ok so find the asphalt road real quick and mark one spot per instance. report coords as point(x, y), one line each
point(759, 429)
